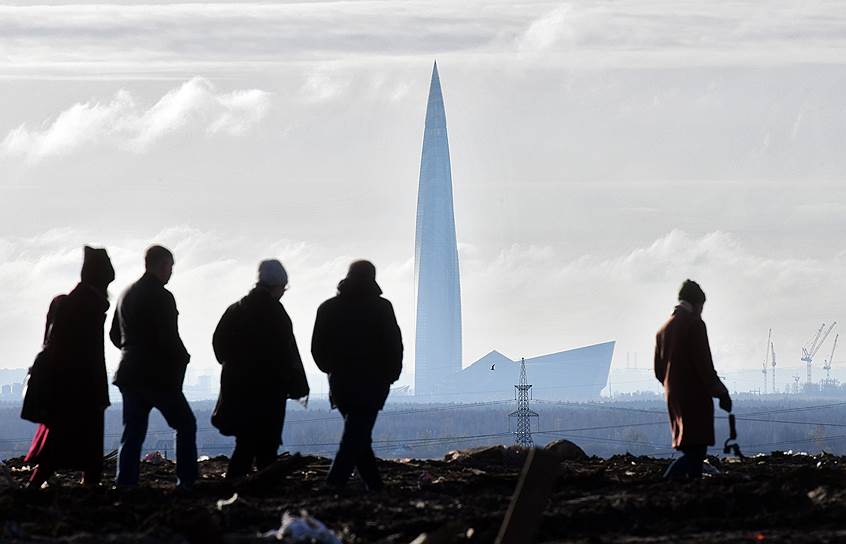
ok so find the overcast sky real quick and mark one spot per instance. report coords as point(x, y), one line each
point(601, 151)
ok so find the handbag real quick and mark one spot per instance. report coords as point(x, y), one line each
point(37, 390)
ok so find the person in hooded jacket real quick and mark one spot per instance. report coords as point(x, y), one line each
point(261, 368)
point(684, 366)
point(357, 342)
point(71, 437)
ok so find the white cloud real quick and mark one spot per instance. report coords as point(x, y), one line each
point(123, 124)
point(544, 31)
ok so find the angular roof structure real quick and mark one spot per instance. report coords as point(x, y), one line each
point(573, 375)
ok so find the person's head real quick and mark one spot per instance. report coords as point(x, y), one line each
point(97, 270)
point(273, 277)
point(362, 271)
point(158, 261)
point(691, 292)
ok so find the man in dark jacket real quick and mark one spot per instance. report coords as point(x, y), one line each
point(357, 342)
point(254, 341)
point(152, 368)
point(684, 366)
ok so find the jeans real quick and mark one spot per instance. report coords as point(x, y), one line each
point(355, 450)
point(689, 465)
point(136, 412)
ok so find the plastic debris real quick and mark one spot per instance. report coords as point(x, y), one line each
point(154, 457)
point(223, 503)
point(303, 528)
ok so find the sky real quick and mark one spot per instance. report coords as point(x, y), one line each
point(602, 152)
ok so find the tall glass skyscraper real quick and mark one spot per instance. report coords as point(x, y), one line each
point(438, 340)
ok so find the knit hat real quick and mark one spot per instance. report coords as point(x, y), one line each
point(271, 273)
point(97, 269)
point(691, 292)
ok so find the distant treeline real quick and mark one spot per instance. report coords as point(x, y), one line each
point(431, 430)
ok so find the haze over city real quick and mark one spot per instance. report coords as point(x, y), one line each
point(601, 153)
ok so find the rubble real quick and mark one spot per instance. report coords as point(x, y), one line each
point(781, 498)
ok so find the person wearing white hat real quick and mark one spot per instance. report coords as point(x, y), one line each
point(254, 342)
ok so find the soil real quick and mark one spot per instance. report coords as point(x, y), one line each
point(774, 498)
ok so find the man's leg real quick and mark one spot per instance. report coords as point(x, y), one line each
point(177, 412)
point(344, 462)
point(689, 465)
point(696, 456)
point(366, 460)
point(136, 411)
point(269, 438)
point(242, 457)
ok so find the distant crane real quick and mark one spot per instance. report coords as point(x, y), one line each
point(766, 360)
point(827, 365)
point(772, 352)
point(809, 350)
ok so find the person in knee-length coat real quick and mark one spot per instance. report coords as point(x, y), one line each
point(254, 342)
point(75, 367)
point(683, 364)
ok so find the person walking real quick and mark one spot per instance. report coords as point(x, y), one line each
point(261, 368)
point(73, 369)
point(152, 369)
point(684, 366)
point(357, 342)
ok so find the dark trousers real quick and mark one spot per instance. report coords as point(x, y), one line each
point(355, 451)
point(689, 465)
point(260, 444)
point(136, 413)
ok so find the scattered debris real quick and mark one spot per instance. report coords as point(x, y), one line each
point(302, 529)
point(155, 458)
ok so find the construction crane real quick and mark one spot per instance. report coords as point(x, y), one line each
point(809, 350)
point(772, 352)
point(766, 360)
point(827, 364)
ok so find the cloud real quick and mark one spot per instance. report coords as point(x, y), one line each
point(252, 35)
point(121, 123)
point(544, 31)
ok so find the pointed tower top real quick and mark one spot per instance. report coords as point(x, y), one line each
point(435, 115)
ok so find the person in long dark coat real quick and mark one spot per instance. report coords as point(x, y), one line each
point(357, 342)
point(684, 366)
point(72, 436)
point(261, 368)
point(152, 369)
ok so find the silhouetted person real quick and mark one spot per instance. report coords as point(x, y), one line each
point(72, 436)
point(254, 341)
point(357, 342)
point(152, 368)
point(683, 364)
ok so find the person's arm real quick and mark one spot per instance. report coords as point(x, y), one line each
point(114, 332)
point(299, 382)
point(393, 344)
point(320, 341)
point(223, 339)
point(168, 331)
point(660, 364)
point(704, 365)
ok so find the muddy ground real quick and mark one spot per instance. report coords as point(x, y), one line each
point(776, 498)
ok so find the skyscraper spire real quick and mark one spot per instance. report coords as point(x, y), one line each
point(438, 339)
